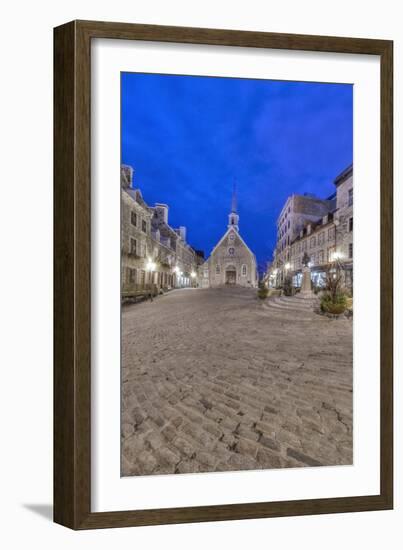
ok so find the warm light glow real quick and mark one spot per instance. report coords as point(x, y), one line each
point(287, 265)
point(337, 256)
point(150, 265)
point(193, 274)
point(275, 272)
point(176, 270)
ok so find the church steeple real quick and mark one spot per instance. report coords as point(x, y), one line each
point(233, 218)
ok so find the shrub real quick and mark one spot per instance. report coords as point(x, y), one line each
point(336, 304)
point(262, 292)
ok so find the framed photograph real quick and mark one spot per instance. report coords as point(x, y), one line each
point(223, 275)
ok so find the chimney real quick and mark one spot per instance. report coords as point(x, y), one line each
point(126, 176)
point(182, 233)
point(162, 212)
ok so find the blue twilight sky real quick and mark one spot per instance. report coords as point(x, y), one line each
point(189, 138)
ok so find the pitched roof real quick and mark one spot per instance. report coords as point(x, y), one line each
point(240, 238)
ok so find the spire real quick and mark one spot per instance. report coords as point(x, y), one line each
point(233, 218)
point(234, 199)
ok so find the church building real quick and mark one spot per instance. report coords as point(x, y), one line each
point(231, 261)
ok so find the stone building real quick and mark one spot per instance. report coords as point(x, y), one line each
point(153, 254)
point(324, 237)
point(231, 261)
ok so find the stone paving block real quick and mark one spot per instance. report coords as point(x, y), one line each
point(196, 380)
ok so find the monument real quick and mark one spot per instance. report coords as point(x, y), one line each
point(306, 287)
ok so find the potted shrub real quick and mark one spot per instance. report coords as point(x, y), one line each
point(336, 305)
point(262, 292)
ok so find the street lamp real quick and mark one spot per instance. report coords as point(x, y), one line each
point(287, 266)
point(150, 265)
point(337, 256)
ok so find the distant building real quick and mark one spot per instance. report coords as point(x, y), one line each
point(231, 261)
point(323, 229)
point(153, 253)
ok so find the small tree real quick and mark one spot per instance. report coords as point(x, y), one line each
point(334, 299)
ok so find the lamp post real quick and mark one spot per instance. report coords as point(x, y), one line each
point(193, 276)
point(150, 267)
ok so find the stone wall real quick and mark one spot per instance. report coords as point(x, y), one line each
point(231, 254)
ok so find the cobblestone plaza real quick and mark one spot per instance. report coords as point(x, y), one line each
point(215, 380)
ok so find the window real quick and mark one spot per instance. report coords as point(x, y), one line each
point(304, 243)
point(350, 250)
point(350, 224)
point(320, 257)
point(217, 269)
point(133, 218)
point(231, 251)
point(313, 259)
point(231, 236)
point(330, 253)
point(321, 238)
point(144, 226)
point(288, 224)
point(206, 273)
point(133, 246)
point(331, 233)
point(350, 197)
point(244, 271)
point(299, 247)
point(132, 275)
point(313, 242)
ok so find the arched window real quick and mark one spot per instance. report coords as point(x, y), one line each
point(231, 251)
point(244, 270)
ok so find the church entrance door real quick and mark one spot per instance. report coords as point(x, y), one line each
point(230, 276)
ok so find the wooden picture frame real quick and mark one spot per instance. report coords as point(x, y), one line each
point(72, 271)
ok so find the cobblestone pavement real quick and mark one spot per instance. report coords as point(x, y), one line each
point(213, 380)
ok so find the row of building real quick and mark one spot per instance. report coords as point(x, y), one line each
point(154, 254)
point(320, 228)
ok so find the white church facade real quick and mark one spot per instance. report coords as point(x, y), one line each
point(231, 261)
